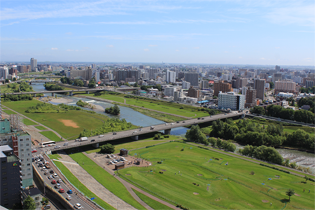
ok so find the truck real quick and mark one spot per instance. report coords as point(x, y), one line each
point(83, 139)
point(152, 127)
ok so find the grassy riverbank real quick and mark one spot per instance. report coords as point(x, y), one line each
point(190, 172)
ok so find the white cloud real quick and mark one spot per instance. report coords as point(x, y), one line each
point(54, 48)
point(69, 50)
point(240, 57)
point(146, 50)
point(177, 50)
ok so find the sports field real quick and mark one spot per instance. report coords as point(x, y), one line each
point(201, 179)
point(68, 125)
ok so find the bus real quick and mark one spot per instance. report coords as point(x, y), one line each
point(48, 144)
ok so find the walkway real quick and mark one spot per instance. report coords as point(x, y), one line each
point(94, 186)
point(110, 101)
point(128, 185)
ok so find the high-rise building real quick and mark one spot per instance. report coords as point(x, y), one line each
point(169, 91)
point(277, 68)
point(192, 78)
point(231, 101)
point(250, 98)
point(152, 73)
point(285, 86)
point(309, 83)
point(192, 92)
point(221, 86)
point(170, 76)
point(22, 69)
point(276, 77)
point(259, 85)
point(10, 188)
point(185, 85)
point(204, 85)
point(4, 72)
point(33, 64)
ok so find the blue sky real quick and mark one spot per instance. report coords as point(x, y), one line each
point(179, 31)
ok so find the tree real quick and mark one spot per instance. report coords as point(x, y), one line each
point(215, 97)
point(195, 134)
point(14, 79)
point(107, 148)
point(92, 83)
point(136, 85)
point(29, 203)
point(289, 193)
point(114, 110)
point(258, 110)
point(272, 85)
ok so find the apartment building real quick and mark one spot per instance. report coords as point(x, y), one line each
point(285, 86)
point(231, 100)
point(221, 86)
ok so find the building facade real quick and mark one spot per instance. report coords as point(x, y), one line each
point(231, 101)
point(33, 62)
point(285, 86)
point(250, 98)
point(259, 85)
point(221, 86)
point(192, 78)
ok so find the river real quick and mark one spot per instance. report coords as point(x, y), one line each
point(126, 113)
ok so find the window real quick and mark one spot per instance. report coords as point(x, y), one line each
point(28, 164)
point(22, 150)
point(4, 161)
point(28, 169)
point(5, 200)
point(5, 194)
point(4, 167)
point(27, 139)
point(27, 144)
point(28, 174)
point(27, 149)
point(21, 145)
point(4, 178)
point(27, 159)
point(21, 139)
point(4, 173)
point(5, 189)
point(4, 184)
point(36, 198)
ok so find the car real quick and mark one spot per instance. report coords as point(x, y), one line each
point(198, 118)
point(202, 118)
point(55, 175)
point(77, 206)
point(61, 190)
point(166, 124)
point(51, 171)
point(69, 192)
point(114, 133)
point(183, 121)
point(92, 140)
point(68, 198)
point(57, 186)
point(45, 173)
point(57, 147)
point(59, 181)
point(53, 182)
point(34, 150)
point(177, 122)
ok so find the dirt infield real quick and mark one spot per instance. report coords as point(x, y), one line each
point(69, 123)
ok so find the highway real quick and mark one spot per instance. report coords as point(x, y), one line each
point(76, 197)
point(136, 132)
point(282, 120)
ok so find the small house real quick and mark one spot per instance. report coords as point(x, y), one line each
point(123, 152)
point(119, 166)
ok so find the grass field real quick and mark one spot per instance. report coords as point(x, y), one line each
point(105, 179)
point(152, 203)
point(8, 112)
point(291, 129)
point(187, 174)
point(51, 135)
point(54, 156)
point(28, 122)
point(41, 128)
point(81, 120)
point(172, 108)
point(74, 181)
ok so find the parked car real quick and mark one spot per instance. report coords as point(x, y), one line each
point(61, 190)
point(114, 133)
point(34, 150)
point(69, 191)
point(59, 181)
point(57, 186)
point(51, 171)
point(53, 182)
point(92, 140)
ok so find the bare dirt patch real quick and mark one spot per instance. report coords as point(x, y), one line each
point(218, 199)
point(264, 201)
point(199, 175)
point(296, 194)
point(128, 174)
point(196, 193)
point(69, 123)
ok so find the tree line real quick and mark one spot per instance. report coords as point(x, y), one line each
point(285, 113)
point(50, 86)
point(114, 110)
point(247, 132)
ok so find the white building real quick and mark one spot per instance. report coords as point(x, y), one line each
point(285, 95)
point(285, 86)
point(170, 76)
point(186, 85)
point(169, 91)
point(232, 101)
point(97, 75)
point(4, 72)
point(33, 64)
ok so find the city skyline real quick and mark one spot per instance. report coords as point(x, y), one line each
point(205, 32)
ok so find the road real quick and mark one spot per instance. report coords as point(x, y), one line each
point(138, 131)
point(75, 196)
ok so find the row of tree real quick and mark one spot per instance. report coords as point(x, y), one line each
point(307, 90)
point(195, 134)
point(247, 132)
point(24, 97)
point(50, 86)
point(268, 154)
point(307, 101)
point(289, 114)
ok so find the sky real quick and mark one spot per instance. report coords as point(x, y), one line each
point(262, 32)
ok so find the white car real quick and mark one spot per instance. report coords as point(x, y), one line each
point(77, 206)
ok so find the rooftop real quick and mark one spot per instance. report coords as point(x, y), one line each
point(6, 151)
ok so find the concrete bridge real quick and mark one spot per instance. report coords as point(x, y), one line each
point(134, 134)
point(39, 81)
point(53, 92)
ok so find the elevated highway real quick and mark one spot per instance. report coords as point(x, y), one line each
point(134, 134)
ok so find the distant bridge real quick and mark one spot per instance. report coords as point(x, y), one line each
point(40, 81)
point(53, 92)
point(134, 134)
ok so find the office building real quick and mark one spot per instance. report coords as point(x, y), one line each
point(204, 85)
point(194, 93)
point(4, 72)
point(10, 188)
point(169, 91)
point(192, 78)
point(231, 101)
point(185, 85)
point(277, 68)
point(170, 76)
point(33, 64)
point(277, 77)
point(259, 85)
point(250, 98)
point(97, 76)
point(285, 86)
point(221, 86)
point(152, 73)
point(22, 69)
point(309, 83)
point(239, 82)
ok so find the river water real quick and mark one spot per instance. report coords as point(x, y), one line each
point(126, 113)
